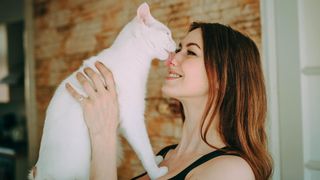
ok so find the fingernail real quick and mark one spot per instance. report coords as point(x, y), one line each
point(78, 75)
point(98, 63)
point(87, 70)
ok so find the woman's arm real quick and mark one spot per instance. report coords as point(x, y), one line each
point(101, 114)
point(103, 160)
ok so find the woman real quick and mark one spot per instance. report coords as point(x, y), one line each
point(216, 74)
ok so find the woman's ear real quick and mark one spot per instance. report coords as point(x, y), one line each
point(143, 14)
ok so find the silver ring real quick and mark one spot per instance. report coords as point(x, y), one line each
point(81, 98)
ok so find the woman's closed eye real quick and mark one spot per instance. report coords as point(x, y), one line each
point(191, 53)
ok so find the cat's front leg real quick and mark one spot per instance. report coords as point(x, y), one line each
point(158, 159)
point(134, 130)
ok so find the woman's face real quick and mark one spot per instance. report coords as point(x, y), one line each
point(187, 76)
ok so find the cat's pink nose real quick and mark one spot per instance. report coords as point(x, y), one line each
point(170, 59)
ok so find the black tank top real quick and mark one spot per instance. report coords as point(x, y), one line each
point(183, 174)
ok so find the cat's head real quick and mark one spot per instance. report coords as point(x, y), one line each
point(157, 35)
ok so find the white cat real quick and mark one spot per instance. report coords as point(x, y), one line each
point(65, 145)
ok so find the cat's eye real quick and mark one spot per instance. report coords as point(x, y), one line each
point(177, 50)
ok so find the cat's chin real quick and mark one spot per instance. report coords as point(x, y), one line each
point(163, 56)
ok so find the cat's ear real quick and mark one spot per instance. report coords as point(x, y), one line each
point(143, 14)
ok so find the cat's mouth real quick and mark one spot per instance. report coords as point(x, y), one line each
point(168, 52)
point(165, 54)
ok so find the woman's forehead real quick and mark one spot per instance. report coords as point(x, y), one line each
point(194, 36)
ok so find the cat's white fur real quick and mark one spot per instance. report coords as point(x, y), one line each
point(65, 145)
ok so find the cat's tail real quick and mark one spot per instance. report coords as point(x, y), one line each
point(32, 173)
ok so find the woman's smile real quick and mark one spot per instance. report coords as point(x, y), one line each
point(173, 75)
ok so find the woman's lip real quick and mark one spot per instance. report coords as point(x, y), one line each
point(172, 72)
point(172, 78)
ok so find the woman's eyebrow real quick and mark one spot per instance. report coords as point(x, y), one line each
point(193, 44)
point(190, 44)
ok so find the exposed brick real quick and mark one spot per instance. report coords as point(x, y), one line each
point(59, 18)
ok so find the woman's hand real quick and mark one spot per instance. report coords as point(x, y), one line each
point(101, 113)
point(100, 108)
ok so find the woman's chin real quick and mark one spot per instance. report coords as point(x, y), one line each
point(168, 92)
point(165, 91)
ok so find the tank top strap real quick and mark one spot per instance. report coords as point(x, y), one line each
point(163, 152)
point(202, 160)
point(183, 174)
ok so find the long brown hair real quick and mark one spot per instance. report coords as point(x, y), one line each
point(232, 60)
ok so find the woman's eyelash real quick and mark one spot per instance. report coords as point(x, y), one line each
point(191, 53)
point(188, 52)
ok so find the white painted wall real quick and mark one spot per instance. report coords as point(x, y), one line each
point(291, 53)
point(309, 33)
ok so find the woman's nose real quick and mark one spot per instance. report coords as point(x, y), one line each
point(169, 61)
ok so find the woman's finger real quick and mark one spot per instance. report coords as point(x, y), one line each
point(86, 85)
point(107, 75)
point(74, 93)
point(95, 77)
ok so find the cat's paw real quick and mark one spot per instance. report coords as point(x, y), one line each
point(160, 172)
point(158, 159)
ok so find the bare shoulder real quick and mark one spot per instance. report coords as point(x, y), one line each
point(225, 167)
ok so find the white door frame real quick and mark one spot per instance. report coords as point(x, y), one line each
point(280, 37)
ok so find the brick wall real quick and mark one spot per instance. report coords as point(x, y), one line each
point(69, 31)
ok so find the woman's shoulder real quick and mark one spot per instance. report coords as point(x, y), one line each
point(224, 167)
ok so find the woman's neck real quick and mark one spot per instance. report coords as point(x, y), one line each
point(191, 141)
